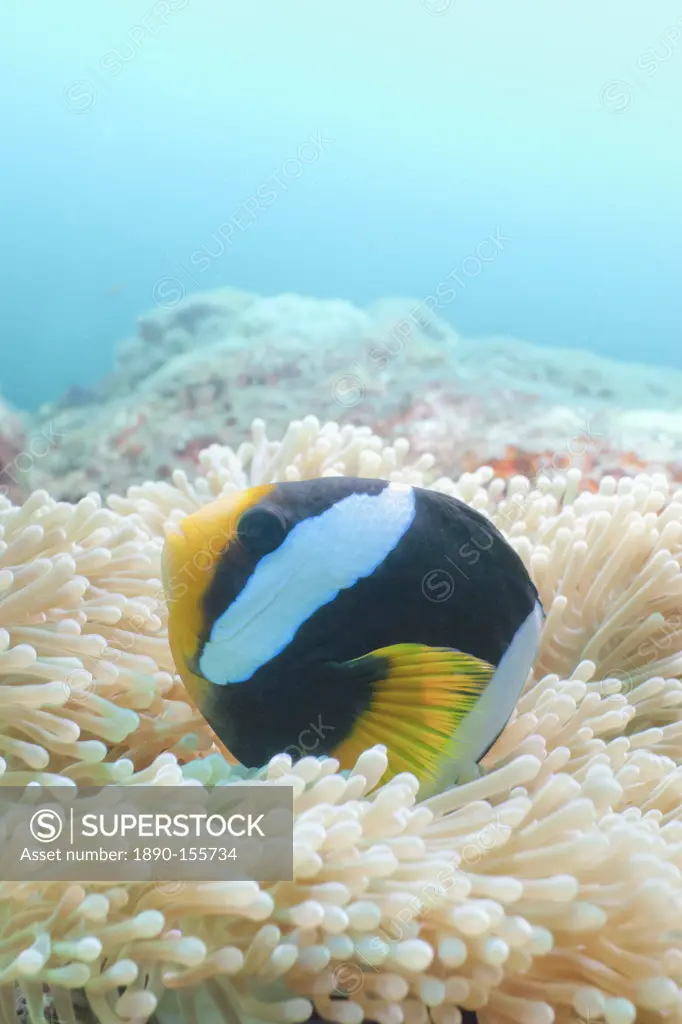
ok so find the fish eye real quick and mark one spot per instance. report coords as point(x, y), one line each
point(261, 530)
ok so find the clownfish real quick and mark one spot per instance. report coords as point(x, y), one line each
point(351, 612)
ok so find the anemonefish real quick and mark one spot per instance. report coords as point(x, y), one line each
point(353, 612)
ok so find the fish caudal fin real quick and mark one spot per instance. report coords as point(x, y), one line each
point(418, 703)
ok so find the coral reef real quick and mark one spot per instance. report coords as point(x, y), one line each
point(198, 373)
point(548, 890)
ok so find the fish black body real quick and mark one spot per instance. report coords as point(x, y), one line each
point(353, 612)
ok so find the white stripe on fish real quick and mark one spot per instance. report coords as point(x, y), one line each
point(320, 556)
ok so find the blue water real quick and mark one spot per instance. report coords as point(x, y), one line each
point(133, 131)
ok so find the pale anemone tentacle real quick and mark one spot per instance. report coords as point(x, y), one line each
point(549, 889)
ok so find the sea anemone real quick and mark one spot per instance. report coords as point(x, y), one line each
point(548, 889)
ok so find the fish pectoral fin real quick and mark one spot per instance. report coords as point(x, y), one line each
point(420, 695)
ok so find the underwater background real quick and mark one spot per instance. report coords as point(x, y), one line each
point(511, 169)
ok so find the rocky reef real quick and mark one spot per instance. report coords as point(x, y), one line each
point(15, 457)
point(199, 373)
